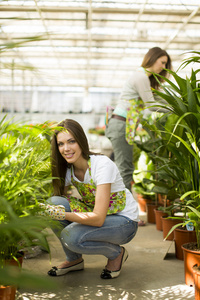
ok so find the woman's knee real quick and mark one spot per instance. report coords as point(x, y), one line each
point(72, 237)
point(68, 240)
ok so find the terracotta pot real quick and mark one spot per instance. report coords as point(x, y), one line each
point(182, 236)
point(13, 262)
point(191, 258)
point(196, 276)
point(167, 225)
point(150, 213)
point(7, 292)
point(142, 202)
point(158, 215)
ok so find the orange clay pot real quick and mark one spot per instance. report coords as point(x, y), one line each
point(191, 258)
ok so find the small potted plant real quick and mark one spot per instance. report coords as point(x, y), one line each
point(191, 250)
point(10, 279)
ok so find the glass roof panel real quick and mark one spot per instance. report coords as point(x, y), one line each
point(91, 40)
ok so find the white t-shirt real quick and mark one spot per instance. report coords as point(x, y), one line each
point(104, 170)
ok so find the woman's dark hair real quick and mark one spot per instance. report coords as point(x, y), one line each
point(150, 58)
point(59, 164)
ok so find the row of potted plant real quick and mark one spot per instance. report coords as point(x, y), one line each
point(173, 145)
point(184, 161)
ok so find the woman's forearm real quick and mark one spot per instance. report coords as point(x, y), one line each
point(85, 218)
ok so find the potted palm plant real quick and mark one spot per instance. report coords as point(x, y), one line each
point(145, 143)
point(157, 178)
point(25, 180)
point(183, 101)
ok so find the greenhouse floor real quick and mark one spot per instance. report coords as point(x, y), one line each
point(151, 272)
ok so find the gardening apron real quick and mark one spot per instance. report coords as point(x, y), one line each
point(134, 115)
point(87, 201)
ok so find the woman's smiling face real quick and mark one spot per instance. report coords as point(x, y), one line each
point(68, 147)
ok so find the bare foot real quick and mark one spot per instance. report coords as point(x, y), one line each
point(115, 264)
point(67, 264)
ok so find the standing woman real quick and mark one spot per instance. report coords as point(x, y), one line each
point(135, 97)
point(105, 216)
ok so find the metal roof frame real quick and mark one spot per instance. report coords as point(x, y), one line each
point(90, 44)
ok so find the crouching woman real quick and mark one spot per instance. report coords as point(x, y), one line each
point(103, 218)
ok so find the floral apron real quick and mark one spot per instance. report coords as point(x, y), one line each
point(134, 115)
point(87, 201)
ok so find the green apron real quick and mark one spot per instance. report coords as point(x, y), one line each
point(134, 115)
point(87, 201)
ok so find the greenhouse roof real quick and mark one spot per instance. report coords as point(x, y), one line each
point(87, 44)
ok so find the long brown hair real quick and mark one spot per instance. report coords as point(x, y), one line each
point(59, 164)
point(150, 58)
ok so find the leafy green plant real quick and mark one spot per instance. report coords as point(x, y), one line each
point(191, 216)
point(193, 213)
point(142, 172)
point(155, 145)
point(190, 200)
point(183, 142)
point(25, 181)
point(145, 144)
point(13, 45)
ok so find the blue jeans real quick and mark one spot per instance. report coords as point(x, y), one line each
point(78, 239)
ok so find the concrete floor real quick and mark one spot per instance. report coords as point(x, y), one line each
point(145, 275)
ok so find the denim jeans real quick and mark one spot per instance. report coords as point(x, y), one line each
point(123, 152)
point(78, 239)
